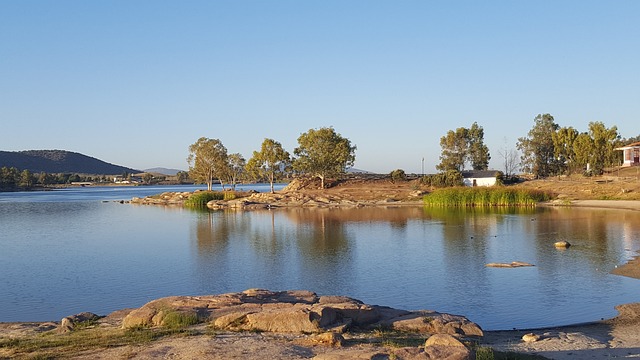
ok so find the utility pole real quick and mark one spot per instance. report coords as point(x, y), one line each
point(423, 166)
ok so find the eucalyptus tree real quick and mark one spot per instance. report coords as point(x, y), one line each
point(271, 162)
point(604, 142)
point(235, 169)
point(323, 153)
point(478, 152)
point(26, 179)
point(464, 146)
point(537, 148)
point(207, 160)
point(582, 150)
point(454, 150)
point(563, 141)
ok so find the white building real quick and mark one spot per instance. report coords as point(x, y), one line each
point(480, 177)
point(630, 154)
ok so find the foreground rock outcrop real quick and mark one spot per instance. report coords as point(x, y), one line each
point(294, 311)
point(88, 336)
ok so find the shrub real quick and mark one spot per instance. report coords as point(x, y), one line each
point(398, 175)
point(445, 179)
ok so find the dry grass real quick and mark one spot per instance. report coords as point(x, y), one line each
point(610, 186)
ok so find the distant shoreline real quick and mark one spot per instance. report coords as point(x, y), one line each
point(601, 204)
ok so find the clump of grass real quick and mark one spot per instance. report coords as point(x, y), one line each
point(485, 196)
point(180, 319)
point(201, 198)
point(484, 353)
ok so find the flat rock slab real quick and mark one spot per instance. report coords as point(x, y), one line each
point(295, 312)
point(513, 264)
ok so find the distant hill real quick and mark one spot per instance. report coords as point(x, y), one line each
point(59, 161)
point(358, 171)
point(163, 171)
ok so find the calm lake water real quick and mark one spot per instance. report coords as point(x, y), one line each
point(67, 251)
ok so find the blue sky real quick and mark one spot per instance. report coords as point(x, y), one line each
point(136, 82)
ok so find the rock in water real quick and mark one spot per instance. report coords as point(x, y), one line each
point(562, 244)
point(513, 264)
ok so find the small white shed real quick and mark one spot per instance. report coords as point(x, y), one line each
point(480, 177)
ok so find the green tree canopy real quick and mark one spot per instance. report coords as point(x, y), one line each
point(270, 162)
point(582, 149)
point(464, 146)
point(26, 179)
point(538, 151)
point(323, 153)
point(478, 153)
point(454, 150)
point(604, 143)
point(235, 169)
point(563, 148)
point(207, 160)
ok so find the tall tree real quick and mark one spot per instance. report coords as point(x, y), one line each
point(538, 150)
point(9, 177)
point(323, 153)
point(207, 160)
point(270, 162)
point(582, 150)
point(478, 152)
point(604, 141)
point(235, 168)
point(563, 140)
point(464, 146)
point(26, 179)
point(454, 150)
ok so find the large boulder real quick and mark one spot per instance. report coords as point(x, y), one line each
point(431, 322)
point(294, 311)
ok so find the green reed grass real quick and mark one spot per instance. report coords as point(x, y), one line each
point(484, 196)
point(201, 198)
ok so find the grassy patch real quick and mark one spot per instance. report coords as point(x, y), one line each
point(51, 345)
point(201, 198)
point(180, 319)
point(396, 339)
point(485, 196)
point(487, 353)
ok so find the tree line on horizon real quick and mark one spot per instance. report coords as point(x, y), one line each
point(321, 153)
point(547, 150)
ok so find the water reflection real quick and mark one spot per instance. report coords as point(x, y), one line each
point(412, 258)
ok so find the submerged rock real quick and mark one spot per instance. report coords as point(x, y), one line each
point(562, 244)
point(512, 264)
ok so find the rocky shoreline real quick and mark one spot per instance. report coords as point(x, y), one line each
point(263, 324)
point(277, 200)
